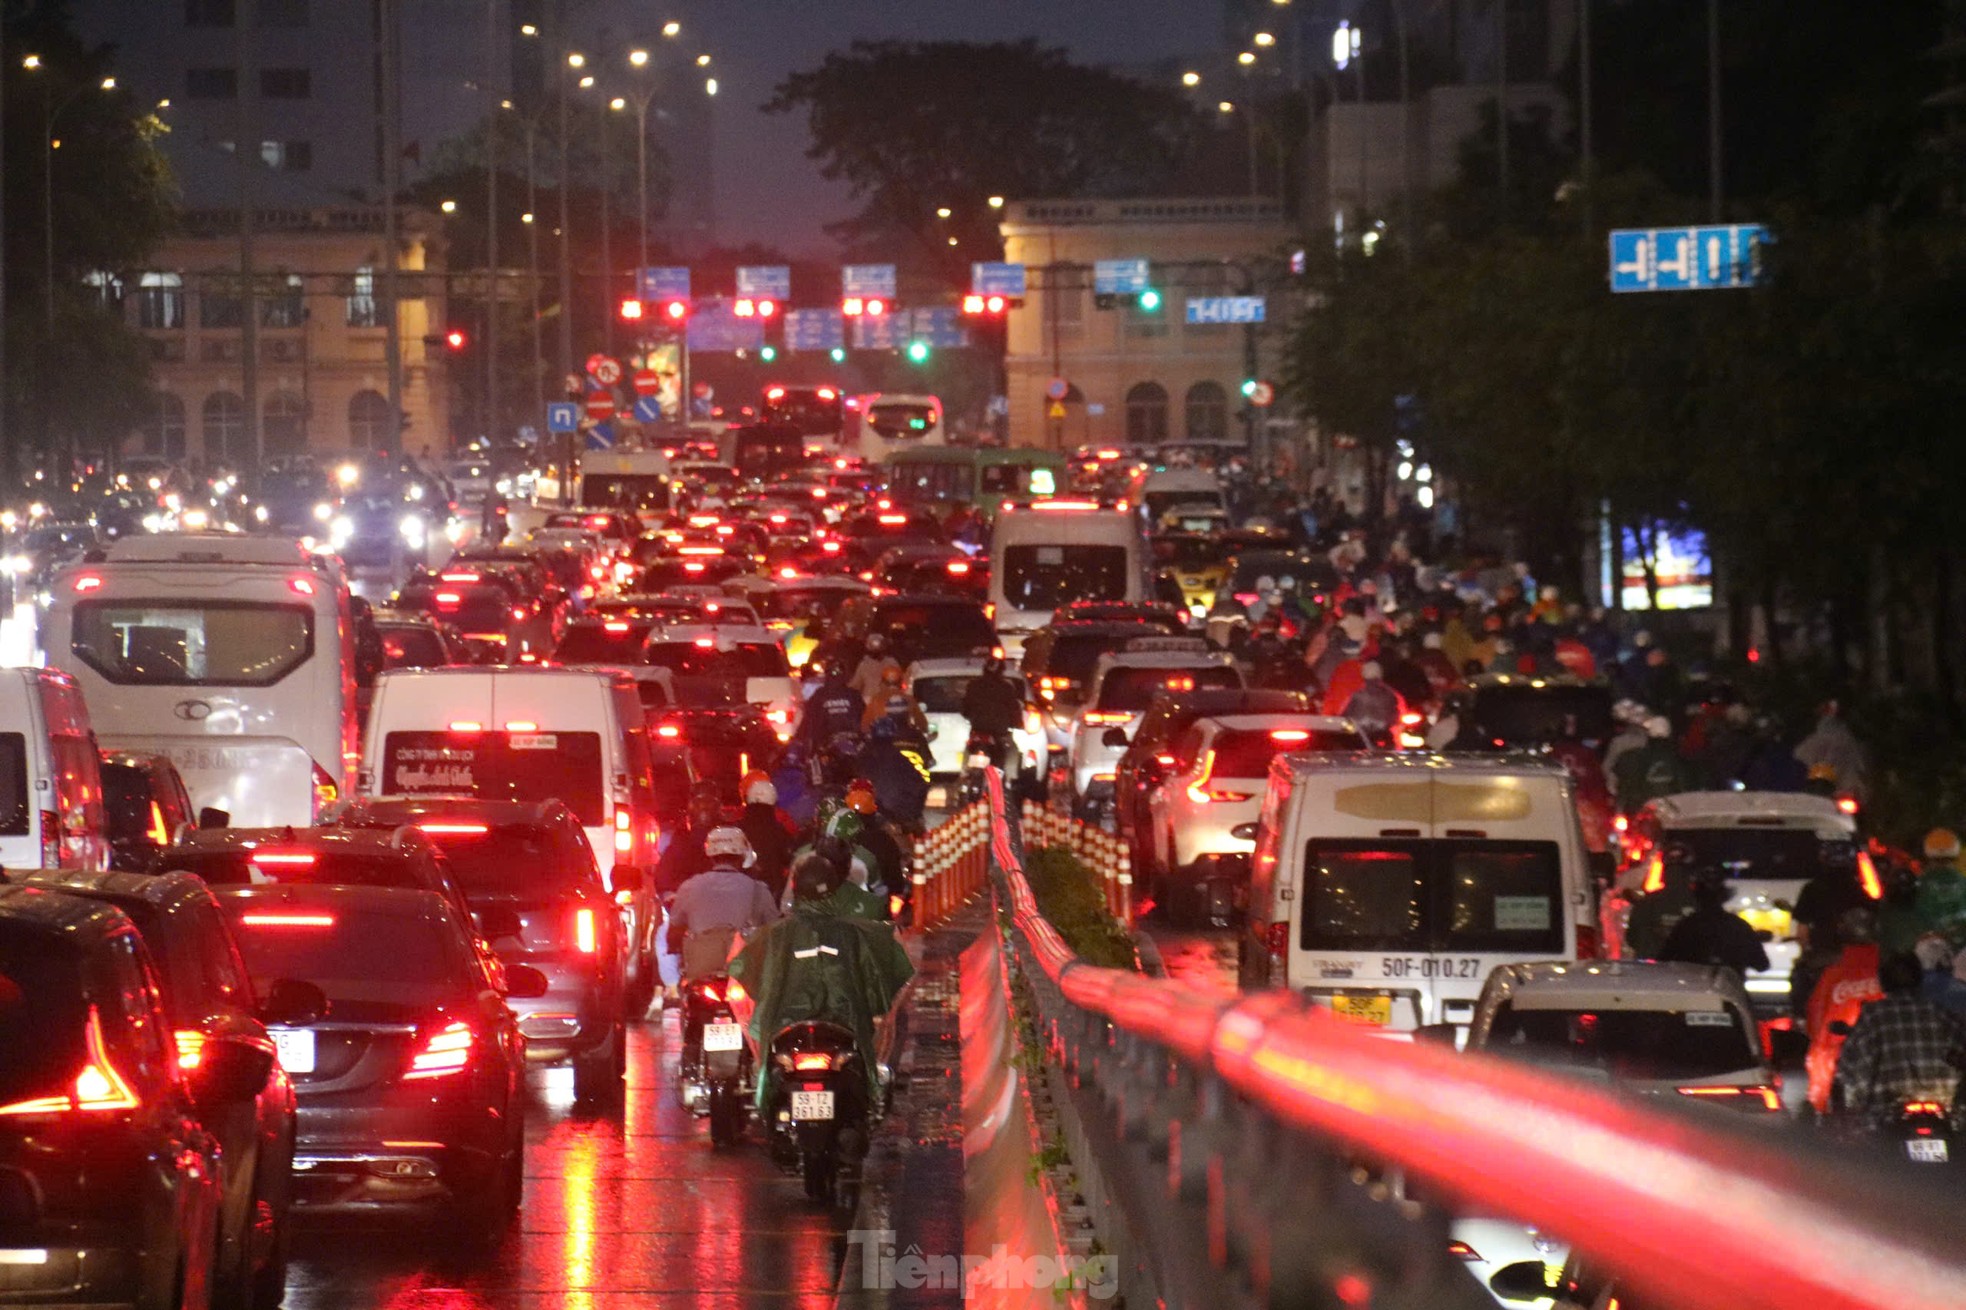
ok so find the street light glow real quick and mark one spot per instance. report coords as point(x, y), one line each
point(586, 81)
point(1191, 79)
point(576, 60)
point(1265, 38)
point(618, 104)
point(109, 84)
point(703, 61)
point(528, 29)
point(165, 103)
point(637, 58)
point(1346, 42)
point(944, 212)
point(1225, 106)
point(449, 206)
point(996, 202)
point(526, 217)
point(710, 86)
point(31, 62)
point(672, 28)
point(1246, 58)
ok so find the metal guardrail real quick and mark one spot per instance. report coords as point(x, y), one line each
point(1251, 1151)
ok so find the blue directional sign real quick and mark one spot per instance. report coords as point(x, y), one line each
point(886, 332)
point(939, 325)
point(662, 283)
point(996, 279)
point(714, 327)
point(1120, 277)
point(764, 281)
point(814, 329)
point(601, 437)
point(1227, 309)
point(648, 409)
point(1687, 258)
point(867, 280)
point(562, 416)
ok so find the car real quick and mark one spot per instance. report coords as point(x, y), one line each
point(416, 641)
point(918, 627)
point(1149, 751)
point(51, 810)
point(1123, 685)
point(112, 1177)
point(1197, 564)
point(490, 609)
point(1168, 617)
point(407, 1062)
point(717, 743)
point(1058, 663)
point(725, 665)
point(533, 886)
point(930, 569)
point(208, 999)
point(237, 857)
point(613, 640)
point(145, 806)
point(799, 608)
point(938, 686)
point(1202, 818)
point(1516, 711)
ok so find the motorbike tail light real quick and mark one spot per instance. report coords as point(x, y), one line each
point(811, 1062)
point(1742, 1098)
point(1847, 805)
point(1655, 873)
point(1621, 823)
point(190, 1048)
point(97, 1088)
point(1867, 875)
point(1462, 1250)
point(446, 1051)
point(585, 939)
point(1924, 1107)
point(708, 989)
point(734, 992)
point(894, 907)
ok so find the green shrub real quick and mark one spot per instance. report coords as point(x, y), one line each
point(1072, 897)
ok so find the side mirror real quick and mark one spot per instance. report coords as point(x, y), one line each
point(626, 878)
point(497, 921)
point(524, 983)
point(1440, 1034)
point(233, 1065)
point(1114, 737)
point(213, 817)
point(1839, 1027)
point(1525, 1280)
point(291, 1002)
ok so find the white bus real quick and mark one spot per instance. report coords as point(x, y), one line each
point(1047, 553)
point(233, 656)
point(885, 423)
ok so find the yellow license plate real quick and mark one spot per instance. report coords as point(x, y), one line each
point(1376, 1010)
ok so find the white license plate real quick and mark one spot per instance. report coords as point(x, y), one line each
point(978, 761)
point(723, 1037)
point(295, 1048)
point(811, 1105)
point(1927, 1150)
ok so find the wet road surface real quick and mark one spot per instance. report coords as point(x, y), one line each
point(1200, 957)
point(630, 1206)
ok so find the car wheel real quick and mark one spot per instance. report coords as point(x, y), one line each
point(597, 1074)
point(480, 1217)
point(269, 1281)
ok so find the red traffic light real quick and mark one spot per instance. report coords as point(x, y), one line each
point(972, 304)
point(631, 309)
point(750, 308)
point(675, 310)
point(975, 304)
point(863, 306)
point(455, 338)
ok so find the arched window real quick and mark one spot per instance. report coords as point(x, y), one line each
point(1146, 414)
point(283, 431)
point(1208, 412)
point(163, 434)
point(225, 426)
point(368, 420)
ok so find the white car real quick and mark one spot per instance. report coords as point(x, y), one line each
point(1122, 686)
point(747, 664)
point(938, 687)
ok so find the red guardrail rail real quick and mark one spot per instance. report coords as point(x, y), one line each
point(1700, 1215)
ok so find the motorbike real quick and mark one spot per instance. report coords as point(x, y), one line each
point(714, 1073)
point(818, 1116)
point(981, 751)
point(1924, 1132)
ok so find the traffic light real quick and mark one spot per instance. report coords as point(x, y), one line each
point(631, 310)
point(768, 353)
point(839, 354)
point(1248, 387)
point(750, 308)
point(1148, 300)
point(863, 306)
point(918, 352)
point(992, 306)
point(675, 311)
point(455, 339)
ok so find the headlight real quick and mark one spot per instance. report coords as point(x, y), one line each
point(153, 523)
point(323, 512)
point(341, 530)
point(348, 475)
point(17, 565)
point(195, 519)
point(259, 513)
point(412, 529)
point(416, 491)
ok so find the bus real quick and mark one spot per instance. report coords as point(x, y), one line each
point(627, 479)
point(942, 477)
point(816, 411)
point(886, 423)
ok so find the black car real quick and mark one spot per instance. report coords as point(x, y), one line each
point(233, 857)
point(406, 1061)
point(105, 1162)
point(533, 885)
point(208, 998)
point(920, 627)
point(145, 807)
point(414, 641)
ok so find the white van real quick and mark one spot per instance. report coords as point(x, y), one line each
point(51, 813)
point(1047, 553)
point(884, 423)
point(1158, 490)
point(234, 656)
point(1387, 887)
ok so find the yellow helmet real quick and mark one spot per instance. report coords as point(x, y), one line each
point(1942, 844)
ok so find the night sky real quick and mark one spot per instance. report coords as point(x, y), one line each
point(767, 189)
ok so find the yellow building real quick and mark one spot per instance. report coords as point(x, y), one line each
point(1134, 375)
point(322, 378)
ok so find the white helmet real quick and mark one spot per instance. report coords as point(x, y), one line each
point(730, 843)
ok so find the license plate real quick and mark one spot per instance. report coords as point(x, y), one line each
point(811, 1105)
point(1927, 1150)
point(978, 761)
point(295, 1048)
point(723, 1037)
point(1376, 1010)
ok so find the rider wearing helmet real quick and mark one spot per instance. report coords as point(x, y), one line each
point(899, 773)
point(770, 830)
point(1710, 935)
point(721, 902)
point(867, 675)
point(833, 709)
point(1840, 994)
point(893, 701)
point(994, 707)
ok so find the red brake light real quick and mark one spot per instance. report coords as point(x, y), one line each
point(775, 393)
point(1463, 1250)
point(668, 732)
point(459, 577)
point(466, 725)
point(735, 992)
point(958, 568)
point(1924, 1107)
point(301, 586)
point(1655, 873)
point(157, 832)
point(97, 1087)
point(449, 599)
point(1847, 804)
point(891, 520)
point(446, 1051)
point(455, 829)
point(518, 613)
point(1621, 824)
point(88, 582)
point(706, 643)
point(190, 1048)
point(285, 859)
point(287, 920)
point(1289, 736)
point(811, 1061)
point(585, 939)
point(624, 833)
point(615, 627)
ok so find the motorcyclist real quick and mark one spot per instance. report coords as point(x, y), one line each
point(994, 707)
point(683, 858)
point(770, 830)
point(1374, 707)
point(833, 709)
point(874, 837)
point(717, 904)
point(1832, 745)
point(1710, 935)
point(1902, 1048)
point(874, 664)
point(1658, 912)
point(1840, 993)
point(1942, 888)
point(1653, 770)
point(818, 963)
point(899, 772)
point(893, 701)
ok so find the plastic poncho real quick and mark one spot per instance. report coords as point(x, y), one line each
point(822, 963)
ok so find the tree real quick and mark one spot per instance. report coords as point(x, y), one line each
point(915, 128)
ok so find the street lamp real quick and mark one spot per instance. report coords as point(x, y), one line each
point(1246, 58)
point(672, 29)
point(1191, 79)
point(637, 58)
point(449, 206)
point(703, 61)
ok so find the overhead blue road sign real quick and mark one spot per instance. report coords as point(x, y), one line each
point(663, 283)
point(1227, 309)
point(648, 409)
point(883, 333)
point(867, 280)
point(601, 437)
point(996, 279)
point(764, 281)
point(714, 327)
point(1119, 277)
point(562, 416)
point(939, 325)
point(814, 329)
point(1687, 258)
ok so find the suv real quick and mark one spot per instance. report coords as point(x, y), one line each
point(145, 807)
point(1122, 687)
point(110, 1175)
point(209, 999)
point(918, 626)
point(234, 857)
point(532, 882)
point(1058, 663)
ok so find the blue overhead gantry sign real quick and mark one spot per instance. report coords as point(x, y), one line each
point(1687, 258)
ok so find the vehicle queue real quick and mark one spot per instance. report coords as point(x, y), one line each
point(301, 885)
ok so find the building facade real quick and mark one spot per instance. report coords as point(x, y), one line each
point(1132, 374)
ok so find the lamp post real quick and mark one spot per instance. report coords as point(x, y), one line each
point(641, 99)
point(530, 124)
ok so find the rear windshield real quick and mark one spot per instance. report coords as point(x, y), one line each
point(413, 648)
point(356, 956)
point(1274, 565)
point(235, 867)
point(125, 797)
point(508, 858)
point(1627, 1044)
point(42, 1014)
point(945, 625)
point(1433, 896)
point(13, 785)
point(800, 603)
point(182, 643)
point(1187, 553)
point(1246, 753)
point(592, 642)
point(499, 766)
point(1158, 503)
point(751, 659)
point(636, 490)
point(1134, 688)
point(1044, 577)
point(665, 573)
point(1520, 715)
point(1073, 654)
point(1791, 854)
point(901, 420)
point(945, 695)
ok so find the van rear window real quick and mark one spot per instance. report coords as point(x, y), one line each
point(1456, 896)
point(1365, 897)
point(500, 766)
point(13, 785)
point(1134, 687)
point(192, 643)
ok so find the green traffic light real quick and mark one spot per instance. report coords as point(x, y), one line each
point(1249, 386)
point(918, 352)
point(839, 354)
point(768, 353)
point(1149, 301)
